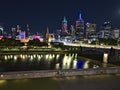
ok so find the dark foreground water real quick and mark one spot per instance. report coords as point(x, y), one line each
point(51, 62)
point(47, 61)
point(98, 82)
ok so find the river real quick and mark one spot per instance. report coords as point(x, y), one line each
point(20, 62)
point(23, 62)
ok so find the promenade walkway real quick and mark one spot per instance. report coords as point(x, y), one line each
point(58, 73)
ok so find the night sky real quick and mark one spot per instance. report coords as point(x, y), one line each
point(40, 14)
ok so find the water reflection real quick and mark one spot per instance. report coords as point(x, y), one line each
point(86, 64)
point(43, 62)
point(2, 82)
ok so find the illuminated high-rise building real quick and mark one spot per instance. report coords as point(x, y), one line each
point(72, 31)
point(1, 30)
point(90, 30)
point(13, 32)
point(18, 30)
point(116, 33)
point(79, 33)
point(22, 35)
point(106, 29)
point(28, 31)
point(64, 26)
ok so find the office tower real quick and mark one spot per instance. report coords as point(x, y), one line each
point(28, 31)
point(116, 33)
point(72, 31)
point(22, 35)
point(90, 30)
point(59, 32)
point(106, 29)
point(79, 32)
point(64, 27)
point(1, 30)
point(18, 30)
point(13, 32)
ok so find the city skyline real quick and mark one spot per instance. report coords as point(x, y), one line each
point(42, 14)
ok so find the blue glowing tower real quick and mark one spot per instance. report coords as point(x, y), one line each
point(80, 33)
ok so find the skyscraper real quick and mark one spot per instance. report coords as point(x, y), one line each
point(116, 33)
point(18, 30)
point(22, 35)
point(90, 30)
point(13, 32)
point(72, 31)
point(64, 27)
point(106, 30)
point(1, 30)
point(79, 33)
point(28, 31)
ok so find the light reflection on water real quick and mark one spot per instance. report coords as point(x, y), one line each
point(43, 62)
point(2, 82)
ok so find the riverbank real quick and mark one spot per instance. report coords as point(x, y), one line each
point(58, 73)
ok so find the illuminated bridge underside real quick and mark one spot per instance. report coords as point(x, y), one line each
point(58, 73)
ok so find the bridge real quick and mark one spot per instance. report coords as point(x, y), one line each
point(99, 48)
